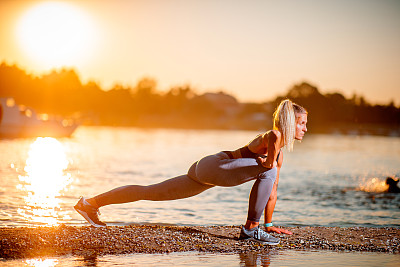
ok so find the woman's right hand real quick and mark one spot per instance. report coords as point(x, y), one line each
point(263, 162)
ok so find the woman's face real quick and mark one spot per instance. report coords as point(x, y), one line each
point(301, 125)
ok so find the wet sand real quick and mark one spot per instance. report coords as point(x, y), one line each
point(23, 242)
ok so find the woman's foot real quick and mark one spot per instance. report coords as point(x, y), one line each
point(90, 213)
point(259, 235)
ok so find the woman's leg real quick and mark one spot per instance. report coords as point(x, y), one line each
point(208, 172)
point(219, 170)
point(259, 195)
point(222, 171)
point(174, 188)
point(258, 199)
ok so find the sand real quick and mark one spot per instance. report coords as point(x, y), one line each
point(24, 242)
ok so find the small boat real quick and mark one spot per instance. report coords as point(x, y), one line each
point(19, 121)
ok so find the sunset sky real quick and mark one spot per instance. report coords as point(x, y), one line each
point(254, 50)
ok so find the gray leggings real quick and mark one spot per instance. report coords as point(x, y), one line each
point(210, 171)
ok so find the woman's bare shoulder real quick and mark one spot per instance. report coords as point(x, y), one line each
point(273, 135)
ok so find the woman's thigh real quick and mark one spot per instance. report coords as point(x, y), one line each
point(222, 171)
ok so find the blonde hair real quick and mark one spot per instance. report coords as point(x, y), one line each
point(285, 121)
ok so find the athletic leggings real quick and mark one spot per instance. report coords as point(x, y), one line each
point(210, 171)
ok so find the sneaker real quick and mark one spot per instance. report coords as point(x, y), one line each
point(90, 213)
point(259, 235)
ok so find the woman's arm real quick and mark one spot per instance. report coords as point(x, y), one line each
point(263, 144)
point(271, 147)
point(256, 146)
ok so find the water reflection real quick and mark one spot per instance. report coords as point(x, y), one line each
point(253, 259)
point(44, 182)
point(261, 258)
point(41, 263)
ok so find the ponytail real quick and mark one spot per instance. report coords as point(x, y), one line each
point(285, 121)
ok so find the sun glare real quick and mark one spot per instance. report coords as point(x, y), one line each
point(56, 34)
point(41, 262)
point(45, 180)
point(374, 185)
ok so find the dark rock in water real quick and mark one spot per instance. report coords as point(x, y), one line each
point(392, 183)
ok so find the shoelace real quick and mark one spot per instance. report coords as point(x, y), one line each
point(262, 233)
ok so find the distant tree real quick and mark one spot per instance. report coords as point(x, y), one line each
point(61, 92)
point(177, 99)
point(146, 97)
point(14, 82)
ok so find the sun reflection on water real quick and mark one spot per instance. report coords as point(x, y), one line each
point(42, 263)
point(373, 185)
point(45, 181)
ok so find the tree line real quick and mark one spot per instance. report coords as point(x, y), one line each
point(62, 93)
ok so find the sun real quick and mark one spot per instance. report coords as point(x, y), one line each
point(56, 34)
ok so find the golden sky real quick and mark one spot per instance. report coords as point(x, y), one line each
point(253, 49)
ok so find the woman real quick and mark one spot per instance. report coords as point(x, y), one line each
point(260, 160)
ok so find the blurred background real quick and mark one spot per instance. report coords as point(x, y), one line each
point(204, 64)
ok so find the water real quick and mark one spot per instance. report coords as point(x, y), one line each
point(194, 259)
point(329, 180)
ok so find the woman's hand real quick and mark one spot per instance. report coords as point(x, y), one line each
point(277, 230)
point(263, 162)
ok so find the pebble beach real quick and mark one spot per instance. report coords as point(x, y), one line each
point(25, 242)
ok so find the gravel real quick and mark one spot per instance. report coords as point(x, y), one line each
point(24, 242)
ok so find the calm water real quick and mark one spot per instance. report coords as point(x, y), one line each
point(194, 259)
point(327, 181)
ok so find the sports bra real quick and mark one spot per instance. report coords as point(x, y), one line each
point(246, 153)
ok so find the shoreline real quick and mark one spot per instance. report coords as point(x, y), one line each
point(25, 242)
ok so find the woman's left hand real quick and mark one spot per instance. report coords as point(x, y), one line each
point(278, 230)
